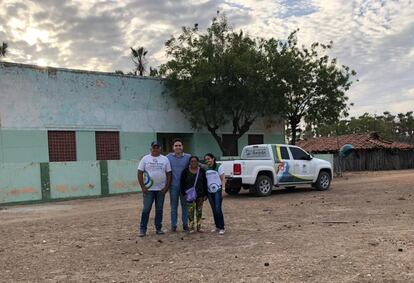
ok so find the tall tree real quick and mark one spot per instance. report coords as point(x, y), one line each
point(218, 78)
point(138, 57)
point(313, 85)
point(3, 49)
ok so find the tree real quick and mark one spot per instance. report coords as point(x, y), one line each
point(394, 127)
point(119, 72)
point(313, 86)
point(3, 49)
point(218, 78)
point(138, 57)
point(405, 126)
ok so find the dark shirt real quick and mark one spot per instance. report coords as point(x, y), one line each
point(188, 179)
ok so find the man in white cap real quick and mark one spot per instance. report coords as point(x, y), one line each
point(154, 177)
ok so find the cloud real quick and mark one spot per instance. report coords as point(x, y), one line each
point(374, 37)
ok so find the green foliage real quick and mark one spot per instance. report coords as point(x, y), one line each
point(153, 72)
point(219, 77)
point(394, 127)
point(3, 49)
point(138, 57)
point(313, 85)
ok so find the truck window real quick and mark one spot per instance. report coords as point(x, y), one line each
point(284, 153)
point(280, 153)
point(298, 154)
point(255, 152)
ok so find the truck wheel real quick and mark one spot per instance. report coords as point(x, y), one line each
point(323, 182)
point(232, 191)
point(263, 186)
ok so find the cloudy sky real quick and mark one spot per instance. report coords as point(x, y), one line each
point(374, 37)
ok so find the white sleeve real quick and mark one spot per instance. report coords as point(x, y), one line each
point(220, 170)
point(141, 165)
point(168, 165)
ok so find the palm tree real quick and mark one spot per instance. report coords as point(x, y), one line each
point(138, 57)
point(3, 49)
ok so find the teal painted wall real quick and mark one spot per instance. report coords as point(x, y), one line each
point(74, 179)
point(274, 138)
point(85, 145)
point(135, 145)
point(20, 182)
point(122, 176)
point(242, 142)
point(204, 143)
point(24, 146)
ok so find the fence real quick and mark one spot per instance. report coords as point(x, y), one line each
point(372, 160)
point(37, 182)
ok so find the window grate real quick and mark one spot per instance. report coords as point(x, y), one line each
point(107, 145)
point(62, 146)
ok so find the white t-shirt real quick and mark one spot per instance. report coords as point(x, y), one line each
point(213, 178)
point(154, 168)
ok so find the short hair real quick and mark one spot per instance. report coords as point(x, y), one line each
point(177, 140)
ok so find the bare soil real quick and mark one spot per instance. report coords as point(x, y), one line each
point(361, 230)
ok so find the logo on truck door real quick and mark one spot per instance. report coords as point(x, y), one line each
point(284, 169)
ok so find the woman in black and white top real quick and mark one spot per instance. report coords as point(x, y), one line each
point(216, 185)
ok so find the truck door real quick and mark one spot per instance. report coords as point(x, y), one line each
point(284, 164)
point(303, 165)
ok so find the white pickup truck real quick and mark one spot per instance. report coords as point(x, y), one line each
point(264, 166)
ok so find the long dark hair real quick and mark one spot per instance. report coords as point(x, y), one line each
point(191, 157)
point(213, 157)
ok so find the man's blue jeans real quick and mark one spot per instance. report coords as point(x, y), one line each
point(216, 199)
point(175, 197)
point(149, 199)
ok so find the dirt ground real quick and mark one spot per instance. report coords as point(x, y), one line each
point(362, 230)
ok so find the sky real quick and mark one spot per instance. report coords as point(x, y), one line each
point(373, 37)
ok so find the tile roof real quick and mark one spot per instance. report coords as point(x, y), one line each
point(359, 141)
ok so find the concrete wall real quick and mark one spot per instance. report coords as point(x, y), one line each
point(20, 182)
point(34, 100)
point(36, 97)
point(36, 182)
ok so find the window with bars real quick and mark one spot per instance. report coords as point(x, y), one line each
point(62, 146)
point(107, 145)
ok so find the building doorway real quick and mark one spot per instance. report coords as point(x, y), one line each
point(166, 140)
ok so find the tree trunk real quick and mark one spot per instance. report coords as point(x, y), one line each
point(293, 131)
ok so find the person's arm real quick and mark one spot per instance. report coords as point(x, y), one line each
point(168, 173)
point(222, 177)
point(167, 185)
point(223, 181)
point(140, 176)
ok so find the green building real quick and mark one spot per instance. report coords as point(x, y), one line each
point(69, 133)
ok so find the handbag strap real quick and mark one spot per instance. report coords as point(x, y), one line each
point(198, 171)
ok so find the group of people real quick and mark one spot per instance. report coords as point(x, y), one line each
point(188, 182)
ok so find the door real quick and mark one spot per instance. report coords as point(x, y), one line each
point(167, 140)
point(284, 165)
point(303, 170)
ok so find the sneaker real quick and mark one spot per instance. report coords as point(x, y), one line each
point(221, 232)
point(173, 228)
point(141, 234)
point(215, 230)
point(199, 230)
point(160, 232)
point(186, 228)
